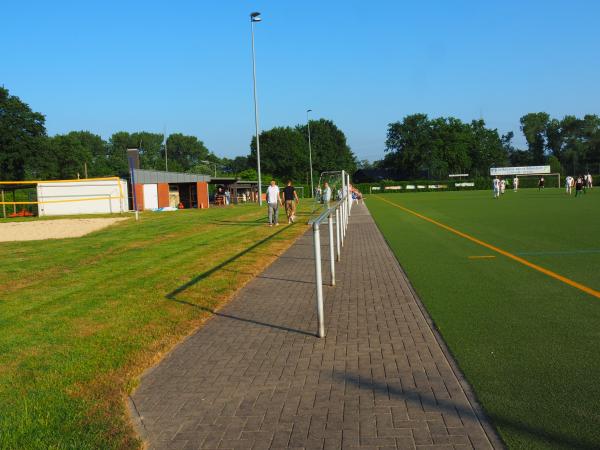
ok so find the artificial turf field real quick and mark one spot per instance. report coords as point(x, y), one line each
point(528, 343)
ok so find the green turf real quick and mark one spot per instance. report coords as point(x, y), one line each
point(529, 344)
point(80, 319)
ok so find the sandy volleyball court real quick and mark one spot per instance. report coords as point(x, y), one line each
point(52, 229)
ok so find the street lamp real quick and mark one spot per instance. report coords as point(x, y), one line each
point(210, 162)
point(255, 17)
point(312, 188)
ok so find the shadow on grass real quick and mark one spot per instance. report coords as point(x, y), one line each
point(256, 222)
point(449, 407)
point(174, 293)
point(198, 278)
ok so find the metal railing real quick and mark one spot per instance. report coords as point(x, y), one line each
point(340, 214)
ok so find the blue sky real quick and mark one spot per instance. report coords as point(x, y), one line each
point(186, 65)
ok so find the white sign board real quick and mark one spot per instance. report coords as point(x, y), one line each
point(524, 170)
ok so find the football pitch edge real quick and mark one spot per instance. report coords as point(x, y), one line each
point(525, 335)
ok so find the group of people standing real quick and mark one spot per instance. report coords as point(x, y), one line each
point(499, 185)
point(581, 183)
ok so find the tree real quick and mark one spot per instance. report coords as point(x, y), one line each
point(97, 163)
point(533, 126)
point(487, 148)
point(69, 155)
point(152, 155)
point(408, 144)
point(22, 137)
point(330, 150)
point(116, 155)
point(419, 147)
point(283, 153)
point(185, 152)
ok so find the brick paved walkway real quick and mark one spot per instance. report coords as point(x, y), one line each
point(255, 376)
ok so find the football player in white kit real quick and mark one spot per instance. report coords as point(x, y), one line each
point(568, 184)
point(496, 184)
point(502, 185)
point(515, 184)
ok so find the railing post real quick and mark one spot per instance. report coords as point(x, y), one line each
point(331, 249)
point(320, 313)
point(342, 222)
point(337, 232)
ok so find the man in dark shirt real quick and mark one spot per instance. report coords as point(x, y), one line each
point(291, 200)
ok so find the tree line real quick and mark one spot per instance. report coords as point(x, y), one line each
point(420, 147)
point(27, 152)
point(416, 147)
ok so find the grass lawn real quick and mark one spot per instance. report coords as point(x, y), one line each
point(80, 319)
point(528, 343)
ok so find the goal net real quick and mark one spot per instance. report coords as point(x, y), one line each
point(532, 180)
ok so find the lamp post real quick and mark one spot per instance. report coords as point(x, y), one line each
point(312, 188)
point(210, 162)
point(255, 17)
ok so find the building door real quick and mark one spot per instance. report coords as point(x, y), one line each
point(150, 196)
point(173, 196)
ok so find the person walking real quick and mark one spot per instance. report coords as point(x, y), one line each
point(326, 193)
point(273, 202)
point(291, 200)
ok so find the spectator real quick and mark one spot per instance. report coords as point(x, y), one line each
point(273, 202)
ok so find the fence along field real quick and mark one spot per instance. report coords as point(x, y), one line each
point(527, 342)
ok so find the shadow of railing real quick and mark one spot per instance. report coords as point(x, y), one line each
point(243, 319)
point(175, 292)
point(172, 296)
point(550, 437)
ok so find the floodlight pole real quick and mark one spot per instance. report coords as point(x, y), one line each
point(255, 17)
point(312, 187)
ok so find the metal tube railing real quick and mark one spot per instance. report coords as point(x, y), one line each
point(338, 213)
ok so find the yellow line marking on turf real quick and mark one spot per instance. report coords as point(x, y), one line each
point(482, 257)
point(556, 276)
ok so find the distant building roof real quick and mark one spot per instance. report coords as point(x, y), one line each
point(143, 176)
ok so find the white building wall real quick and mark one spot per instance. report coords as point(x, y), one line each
point(82, 197)
point(150, 196)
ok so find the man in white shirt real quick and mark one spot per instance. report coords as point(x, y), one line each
point(568, 184)
point(589, 180)
point(273, 202)
point(496, 184)
point(515, 184)
point(502, 186)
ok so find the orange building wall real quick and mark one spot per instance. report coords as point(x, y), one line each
point(202, 192)
point(139, 196)
point(163, 195)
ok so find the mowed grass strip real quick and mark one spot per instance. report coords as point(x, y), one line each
point(80, 319)
point(528, 343)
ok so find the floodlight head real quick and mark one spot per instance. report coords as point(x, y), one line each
point(255, 17)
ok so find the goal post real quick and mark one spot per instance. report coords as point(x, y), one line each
point(531, 180)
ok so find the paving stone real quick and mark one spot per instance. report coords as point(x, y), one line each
point(255, 376)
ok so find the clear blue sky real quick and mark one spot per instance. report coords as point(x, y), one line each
point(131, 65)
